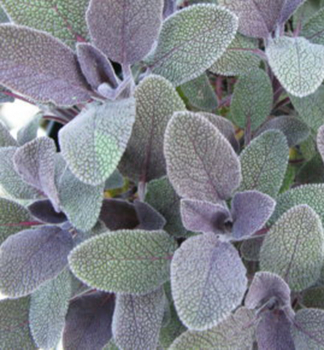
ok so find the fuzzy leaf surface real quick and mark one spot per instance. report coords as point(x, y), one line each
point(314, 298)
point(43, 210)
point(88, 322)
point(202, 297)
point(29, 132)
point(156, 101)
point(231, 334)
point(93, 143)
point(14, 325)
point(40, 67)
point(313, 29)
point(115, 180)
point(201, 164)
point(250, 249)
point(48, 308)
point(6, 140)
point(109, 261)
point(124, 30)
point(264, 163)
point(61, 18)
point(31, 257)
point(149, 219)
point(320, 141)
point(191, 40)
point(252, 100)
point(137, 320)
point(294, 248)
point(289, 7)
point(297, 64)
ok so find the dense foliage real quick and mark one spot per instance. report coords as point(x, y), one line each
point(182, 204)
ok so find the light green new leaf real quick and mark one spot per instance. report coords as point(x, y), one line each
point(191, 40)
point(264, 163)
point(137, 320)
point(202, 296)
point(125, 261)
point(313, 29)
point(29, 131)
point(201, 163)
point(236, 61)
point(93, 143)
point(312, 195)
point(14, 325)
point(297, 64)
point(11, 214)
point(294, 248)
point(234, 333)
point(48, 308)
point(156, 101)
point(6, 140)
point(252, 99)
point(63, 19)
point(308, 333)
point(200, 93)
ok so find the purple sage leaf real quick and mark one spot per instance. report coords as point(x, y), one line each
point(148, 217)
point(43, 210)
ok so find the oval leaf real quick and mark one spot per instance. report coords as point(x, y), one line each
point(43, 210)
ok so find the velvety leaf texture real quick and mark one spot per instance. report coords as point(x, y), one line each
point(13, 218)
point(250, 249)
point(297, 63)
point(137, 320)
point(252, 100)
point(43, 210)
point(202, 296)
point(320, 141)
point(314, 298)
point(31, 257)
point(93, 143)
point(40, 67)
point(289, 7)
point(191, 40)
point(235, 61)
point(48, 308)
point(156, 101)
point(6, 140)
point(234, 333)
point(294, 247)
point(149, 219)
point(264, 163)
point(115, 180)
point(61, 18)
point(313, 29)
point(201, 164)
point(29, 132)
point(14, 325)
point(109, 261)
point(88, 322)
point(124, 30)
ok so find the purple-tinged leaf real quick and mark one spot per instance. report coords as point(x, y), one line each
point(124, 30)
point(88, 322)
point(48, 308)
point(29, 131)
point(308, 329)
point(94, 142)
point(250, 211)
point(43, 210)
point(149, 219)
point(137, 320)
point(289, 7)
point(200, 216)
point(273, 332)
point(201, 163)
point(6, 140)
point(118, 214)
point(250, 248)
point(31, 257)
point(170, 6)
point(156, 101)
point(13, 218)
point(34, 162)
point(14, 325)
point(202, 296)
point(38, 66)
point(95, 66)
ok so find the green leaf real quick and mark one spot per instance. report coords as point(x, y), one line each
point(313, 29)
point(252, 100)
point(137, 320)
point(294, 248)
point(234, 333)
point(6, 140)
point(93, 143)
point(297, 64)
point(14, 325)
point(110, 261)
point(156, 101)
point(191, 40)
point(202, 296)
point(236, 61)
point(29, 131)
point(264, 163)
point(250, 248)
point(201, 163)
point(200, 93)
point(115, 180)
point(13, 218)
point(314, 298)
point(63, 19)
point(48, 308)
